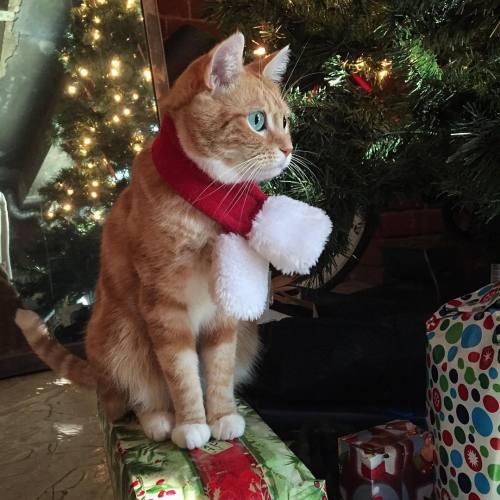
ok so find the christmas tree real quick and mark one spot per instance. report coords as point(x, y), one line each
point(106, 113)
point(389, 98)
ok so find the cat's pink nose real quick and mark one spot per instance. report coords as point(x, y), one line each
point(286, 151)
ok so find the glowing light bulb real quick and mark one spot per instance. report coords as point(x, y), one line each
point(114, 72)
point(115, 62)
point(50, 214)
point(71, 89)
point(97, 20)
point(130, 4)
point(385, 63)
point(70, 191)
point(116, 119)
point(260, 51)
point(67, 207)
point(65, 58)
point(83, 151)
point(92, 129)
point(96, 35)
point(135, 96)
point(84, 72)
point(95, 183)
point(137, 148)
point(97, 215)
point(102, 2)
point(126, 111)
point(117, 97)
point(146, 73)
point(93, 194)
point(90, 164)
point(87, 141)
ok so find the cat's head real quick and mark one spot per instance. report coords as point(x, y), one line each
point(230, 118)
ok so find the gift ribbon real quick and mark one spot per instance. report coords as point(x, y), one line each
point(228, 468)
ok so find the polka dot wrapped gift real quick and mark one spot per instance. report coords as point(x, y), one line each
point(463, 395)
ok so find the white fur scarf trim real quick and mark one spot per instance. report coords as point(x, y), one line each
point(288, 233)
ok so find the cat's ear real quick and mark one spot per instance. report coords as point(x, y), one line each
point(273, 66)
point(225, 62)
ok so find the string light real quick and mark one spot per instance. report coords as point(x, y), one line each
point(83, 151)
point(115, 67)
point(65, 58)
point(97, 216)
point(102, 2)
point(126, 111)
point(84, 72)
point(130, 4)
point(71, 89)
point(116, 119)
point(95, 183)
point(117, 97)
point(137, 148)
point(70, 191)
point(92, 129)
point(260, 51)
point(67, 207)
point(146, 73)
point(96, 35)
point(87, 141)
point(97, 20)
point(135, 96)
point(50, 214)
point(90, 164)
point(93, 194)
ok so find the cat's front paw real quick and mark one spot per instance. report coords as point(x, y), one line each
point(228, 427)
point(191, 436)
point(157, 425)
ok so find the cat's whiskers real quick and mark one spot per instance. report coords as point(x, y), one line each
point(246, 185)
point(240, 166)
point(247, 169)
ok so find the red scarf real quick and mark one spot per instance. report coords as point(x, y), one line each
point(223, 203)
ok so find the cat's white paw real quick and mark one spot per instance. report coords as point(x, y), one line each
point(228, 427)
point(157, 425)
point(191, 436)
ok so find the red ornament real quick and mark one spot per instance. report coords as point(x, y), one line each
point(361, 82)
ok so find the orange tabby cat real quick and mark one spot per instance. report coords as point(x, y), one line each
point(155, 326)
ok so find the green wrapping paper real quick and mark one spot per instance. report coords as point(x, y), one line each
point(256, 466)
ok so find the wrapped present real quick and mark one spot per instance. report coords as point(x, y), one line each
point(256, 466)
point(463, 394)
point(387, 462)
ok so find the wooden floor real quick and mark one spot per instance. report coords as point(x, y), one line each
point(50, 441)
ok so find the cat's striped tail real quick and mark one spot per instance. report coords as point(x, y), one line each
point(50, 351)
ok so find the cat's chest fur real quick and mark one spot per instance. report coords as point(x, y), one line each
point(200, 306)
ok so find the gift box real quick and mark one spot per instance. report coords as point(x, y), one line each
point(256, 466)
point(387, 462)
point(463, 394)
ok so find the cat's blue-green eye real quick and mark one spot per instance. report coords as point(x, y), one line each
point(257, 120)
